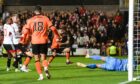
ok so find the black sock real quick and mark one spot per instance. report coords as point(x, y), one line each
point(15, 64)
point(20, 60)
point(8, 62)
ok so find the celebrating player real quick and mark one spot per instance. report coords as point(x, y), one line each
point(61, 45)
point(23, 45)
point(38, 27)
point(111, 63)
point(8, 42)
point(16, 38)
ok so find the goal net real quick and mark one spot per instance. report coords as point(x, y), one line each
point(134, 40)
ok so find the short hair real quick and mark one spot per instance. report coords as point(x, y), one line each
point(38, 8)
point(7, 18)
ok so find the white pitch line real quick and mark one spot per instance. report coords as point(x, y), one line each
point(125, 82)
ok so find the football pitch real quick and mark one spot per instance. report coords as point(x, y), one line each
point(63, 74)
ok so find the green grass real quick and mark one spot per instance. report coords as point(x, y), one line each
point(63, 74)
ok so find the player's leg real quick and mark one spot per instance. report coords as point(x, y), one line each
point(45, 65)
point(38, 67)
point(36, 52)
point(54, 52)
point(15, 63)
point(28, 58)
point(43, 52)
point(6, 47)
point(15, 56)
point(67, 52)
point(8, 61)
point(11, 53)
point(19, 56)
point(27, 61)
point(29, 55)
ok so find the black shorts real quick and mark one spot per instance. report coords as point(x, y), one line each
point(39, 48)
point(58, 50)
point(23, 48)
point(8, 47)
point(16, 46)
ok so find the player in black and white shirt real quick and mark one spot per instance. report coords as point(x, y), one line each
point(8, 42)
point(16, 38)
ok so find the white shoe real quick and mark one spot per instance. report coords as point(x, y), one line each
point(24, 69)
point(17, 70)
point(47, 73)
point(40, 78)
point(87, 56)
point(8, 69)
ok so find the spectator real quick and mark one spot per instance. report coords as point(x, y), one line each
point(5, 15)
point(113, 49)
point(101, 28)
point(103, 49)
point(89, 28)
point(92, 42)
point(86, 39)
point(80, 40)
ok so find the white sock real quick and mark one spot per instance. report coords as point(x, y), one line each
point(41, 75)
point(45, 68)
point(20, 65)
point(67, 60)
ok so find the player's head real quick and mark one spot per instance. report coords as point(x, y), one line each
point(60, 31)
point(37, 10)
point(9, 20)
point(15, 18)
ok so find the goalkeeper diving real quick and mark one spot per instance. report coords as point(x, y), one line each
point(110, 63)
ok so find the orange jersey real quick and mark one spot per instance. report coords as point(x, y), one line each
point(55, 43)
point(38, 27)
point(25, 35)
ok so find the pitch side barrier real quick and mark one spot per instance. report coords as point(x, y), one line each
point(76, 51)
point(81, 51)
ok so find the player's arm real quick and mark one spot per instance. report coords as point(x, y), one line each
point(67, 42)
point(53, 28)
point(25, 34)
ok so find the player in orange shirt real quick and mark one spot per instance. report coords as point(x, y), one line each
point(38, 27)
point(23, 45)
point(61, 45)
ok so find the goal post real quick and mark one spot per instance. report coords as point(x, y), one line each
point(134, 41)
point(130, 40)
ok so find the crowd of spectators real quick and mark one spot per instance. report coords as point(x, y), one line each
point(89, 29)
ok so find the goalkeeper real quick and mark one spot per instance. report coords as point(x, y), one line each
point(111, 63)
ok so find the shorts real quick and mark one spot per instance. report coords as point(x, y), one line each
point(9, 47)
point(58, 50)
point(16, 46)
point(39, 49)
point(23, 48)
